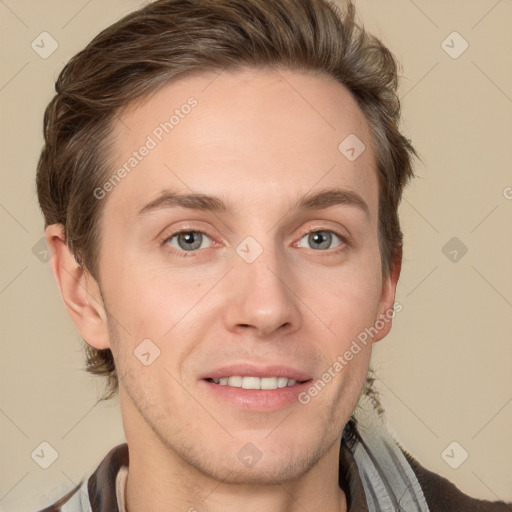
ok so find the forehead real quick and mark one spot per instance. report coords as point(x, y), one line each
point(257, 136)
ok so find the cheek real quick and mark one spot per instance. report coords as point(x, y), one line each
point(160, 313)
point(151, 301)
point(348, 306)
point(349, 301)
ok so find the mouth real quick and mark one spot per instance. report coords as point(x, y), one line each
point(256, 389)
point(252, 382)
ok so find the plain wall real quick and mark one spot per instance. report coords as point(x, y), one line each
point(444, 371)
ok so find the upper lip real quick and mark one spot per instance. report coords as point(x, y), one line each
point(250, 370)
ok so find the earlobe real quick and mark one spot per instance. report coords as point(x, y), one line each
point(79, 290)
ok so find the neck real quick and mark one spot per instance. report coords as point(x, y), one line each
point(159, 481)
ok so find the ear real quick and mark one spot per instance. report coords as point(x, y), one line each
point(78, 289)
point(387, 300)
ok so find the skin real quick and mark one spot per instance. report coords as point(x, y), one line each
point(259, 139)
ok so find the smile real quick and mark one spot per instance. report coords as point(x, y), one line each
point(248, 382)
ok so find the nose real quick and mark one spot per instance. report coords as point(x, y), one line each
point(261, 296)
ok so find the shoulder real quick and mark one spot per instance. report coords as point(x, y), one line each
point(442, 495)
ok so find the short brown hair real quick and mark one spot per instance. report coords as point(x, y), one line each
point(142, 52)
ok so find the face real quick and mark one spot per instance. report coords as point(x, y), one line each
point(258, 285)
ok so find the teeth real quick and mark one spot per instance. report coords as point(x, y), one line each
point(237, 381)
point(282, 382)
point(268, 383)
point(251, 383)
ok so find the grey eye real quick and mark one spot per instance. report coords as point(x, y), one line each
point(188, 240)
point(320, 239)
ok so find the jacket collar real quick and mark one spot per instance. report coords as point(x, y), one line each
point(102, 483)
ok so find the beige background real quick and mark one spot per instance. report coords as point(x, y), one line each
point(444, 369)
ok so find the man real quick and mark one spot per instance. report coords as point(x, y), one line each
point(220, 184)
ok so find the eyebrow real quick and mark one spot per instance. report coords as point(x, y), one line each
point(313, 201)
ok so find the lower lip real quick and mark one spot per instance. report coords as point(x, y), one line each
point(257, 399)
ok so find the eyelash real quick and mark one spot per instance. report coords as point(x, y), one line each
point(186, 254)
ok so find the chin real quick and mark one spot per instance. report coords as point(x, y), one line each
point(259, 461)
point(277, 469)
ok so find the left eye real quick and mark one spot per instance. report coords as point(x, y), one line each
point(188, 240)
point(320, 239)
